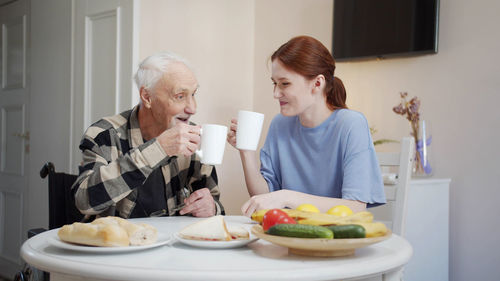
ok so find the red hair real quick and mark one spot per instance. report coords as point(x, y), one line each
point(309, 58)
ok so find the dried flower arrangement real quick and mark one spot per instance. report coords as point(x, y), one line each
point(410, 109)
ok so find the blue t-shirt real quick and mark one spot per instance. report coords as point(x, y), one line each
point(335, 159)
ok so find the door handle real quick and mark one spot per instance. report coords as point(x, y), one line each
point(25, 135)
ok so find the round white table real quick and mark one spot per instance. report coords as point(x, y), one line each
point(259, 260)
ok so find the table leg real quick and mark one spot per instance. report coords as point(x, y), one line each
point(65, 277)
point(395, 275)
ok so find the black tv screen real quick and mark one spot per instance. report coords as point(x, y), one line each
point(384, 28)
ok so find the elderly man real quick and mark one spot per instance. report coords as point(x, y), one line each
point(141, 162)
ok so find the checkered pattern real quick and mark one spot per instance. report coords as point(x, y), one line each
point(116, 163)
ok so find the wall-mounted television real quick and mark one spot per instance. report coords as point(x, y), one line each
point(364, 29)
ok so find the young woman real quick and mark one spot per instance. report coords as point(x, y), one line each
point(317, 151)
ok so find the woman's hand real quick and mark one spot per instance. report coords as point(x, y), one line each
point(271, 200)
point(231, 135)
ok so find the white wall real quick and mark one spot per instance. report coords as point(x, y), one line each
point(49, 99)
point(217, 37)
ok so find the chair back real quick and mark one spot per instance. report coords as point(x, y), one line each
point(393, 213)
point(62, 208)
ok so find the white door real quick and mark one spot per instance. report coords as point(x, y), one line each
point(106, 52)
point(14, 131)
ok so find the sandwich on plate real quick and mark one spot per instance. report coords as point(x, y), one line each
point(237, 232)
point(213, 229)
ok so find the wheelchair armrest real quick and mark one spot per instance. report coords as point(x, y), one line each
point(20, 276)
point(34, 231)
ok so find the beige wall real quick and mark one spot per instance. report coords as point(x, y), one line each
point(277, 21)
point(230, 41)
point(459, 91)
point(217, 37)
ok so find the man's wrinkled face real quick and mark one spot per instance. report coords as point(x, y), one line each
point(173, 98)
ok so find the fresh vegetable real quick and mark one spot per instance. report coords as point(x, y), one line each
point(286, 220)
point(340, 211)
point(303, 217)
point(300, 231)
point(308, 208)
point(348, 231)
point(276, 216)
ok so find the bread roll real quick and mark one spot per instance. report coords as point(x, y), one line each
point(138, 234)
point(145, 234)
point(94, 234)
point(109, 232)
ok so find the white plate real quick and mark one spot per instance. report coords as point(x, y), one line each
point(216, 244)
point(55, 241)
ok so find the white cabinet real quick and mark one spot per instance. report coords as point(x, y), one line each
point(427, 229)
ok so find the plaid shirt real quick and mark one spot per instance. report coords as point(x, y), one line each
point(117, 162)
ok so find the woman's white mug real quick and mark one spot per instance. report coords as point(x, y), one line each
point(213, 142)
point(249, 129)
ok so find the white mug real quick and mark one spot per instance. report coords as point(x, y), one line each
point(213, 142)
point(249, 129)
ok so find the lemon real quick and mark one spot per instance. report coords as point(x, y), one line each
point(340, 211)
point(308, 208)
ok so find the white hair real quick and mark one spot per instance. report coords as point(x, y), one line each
point(152, 68)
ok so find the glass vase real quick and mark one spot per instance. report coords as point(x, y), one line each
point(422, 162)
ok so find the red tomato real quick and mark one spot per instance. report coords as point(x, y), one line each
point(275, 216)
point(286, 219)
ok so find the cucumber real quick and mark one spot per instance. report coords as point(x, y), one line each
point(300, 231)
point(348, 231)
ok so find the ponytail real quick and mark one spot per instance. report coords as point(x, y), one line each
point(336, 95)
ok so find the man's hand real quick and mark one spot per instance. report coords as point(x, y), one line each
point(200, 204)
point(182, 139)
